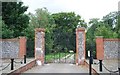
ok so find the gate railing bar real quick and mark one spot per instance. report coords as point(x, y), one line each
point(59, 57)
point(65, 56)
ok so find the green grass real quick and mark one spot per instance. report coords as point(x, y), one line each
point(51, 57)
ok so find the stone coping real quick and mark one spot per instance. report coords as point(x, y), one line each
point(40, 29)
point(13, 39)
point(115, 39)
point(80, 29)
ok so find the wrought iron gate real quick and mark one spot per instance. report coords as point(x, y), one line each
point(60, 56)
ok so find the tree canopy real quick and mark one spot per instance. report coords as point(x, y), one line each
point(107, 27)
point(64, 31)
point(14, 19)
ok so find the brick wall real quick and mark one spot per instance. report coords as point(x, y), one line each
point(13, 48)
point(23, 68)
point(99, 48)
point(107, 48)
point(80, 46)
point(111, 47)
point(39, 44)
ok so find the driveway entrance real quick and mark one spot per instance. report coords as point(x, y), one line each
point(59, 68)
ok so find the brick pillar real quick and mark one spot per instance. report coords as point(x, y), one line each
point(80, 46)
point(22, 46)
point(99, 48)
point(39, 44)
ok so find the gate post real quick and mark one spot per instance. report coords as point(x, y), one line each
point(40, 44)
point(80, 46)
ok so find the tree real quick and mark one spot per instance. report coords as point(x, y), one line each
point(90, 42)
point(6, 33)
point(111, 19)
point(106, 32)
point(93, 24)
point(41, 19)
point(64, 31)
point(107, 27)
point(14, 18)
point(117, 28)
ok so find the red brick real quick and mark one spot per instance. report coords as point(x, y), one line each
point(100, 48)
point(22, 44)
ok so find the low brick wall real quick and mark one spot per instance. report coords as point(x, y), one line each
point(107, 48)
point(23, 68)
point(94, 72)
point(13, 48)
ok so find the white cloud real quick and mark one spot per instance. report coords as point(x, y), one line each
point(86, 8)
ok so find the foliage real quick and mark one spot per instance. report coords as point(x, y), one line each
point(106, 32)
point(14, 18)
point(111, 19)
point(6, 32)
point(117, 28)
point(91, 29)
point(30, 48)
point(107, 27)
point(90, 37)
point(64, 31)
point(41, 19)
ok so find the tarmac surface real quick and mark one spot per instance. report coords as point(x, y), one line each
point(59, 68)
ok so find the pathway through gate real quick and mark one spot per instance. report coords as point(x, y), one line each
point(65, 64)
point(61, 56)
point(59, 68)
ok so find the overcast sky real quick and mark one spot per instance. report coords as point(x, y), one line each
point(87, 9)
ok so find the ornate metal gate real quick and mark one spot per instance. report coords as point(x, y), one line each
point(60, 55)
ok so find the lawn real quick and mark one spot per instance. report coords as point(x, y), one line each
point(53, 56)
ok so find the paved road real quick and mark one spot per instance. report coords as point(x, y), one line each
point(58, 68)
